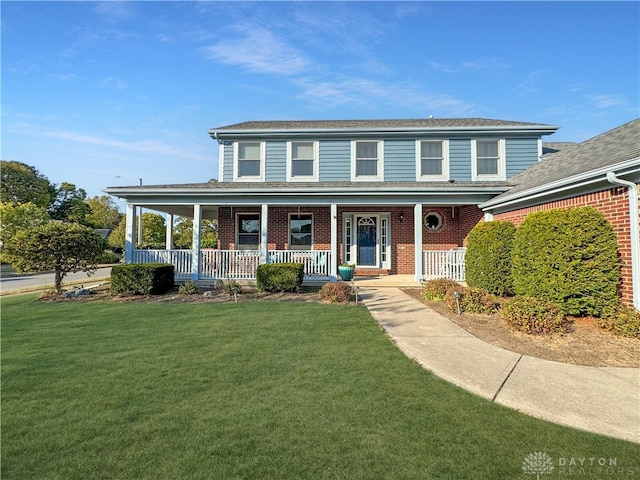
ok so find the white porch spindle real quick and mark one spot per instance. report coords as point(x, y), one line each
point(129, 233)
point(333, 266)
point(417, 229)
point(195, 246)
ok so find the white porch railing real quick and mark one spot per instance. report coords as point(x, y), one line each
point(235, 264)
point(444, 264)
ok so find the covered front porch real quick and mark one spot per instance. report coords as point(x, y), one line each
point(403, 229)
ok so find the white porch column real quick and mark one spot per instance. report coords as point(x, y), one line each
point(195, 245)
point(169, 236)
point(129, 232)
point(264, 230)
point(417, 240)
point(333, 266)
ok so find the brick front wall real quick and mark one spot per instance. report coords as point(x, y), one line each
point(614, 205)
point(457, 222)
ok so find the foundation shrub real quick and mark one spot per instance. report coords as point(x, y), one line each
point(474, 300)
point(336, 292)
point(488, 257)
point(437, 289)
point(279, 277)
point(189, 288)
point(621, 320)
point(567, 256)
point(142, 279)
point(533, 315)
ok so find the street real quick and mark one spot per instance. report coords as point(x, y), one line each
point(12, 282)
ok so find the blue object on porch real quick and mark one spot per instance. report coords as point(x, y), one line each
point(346, 272)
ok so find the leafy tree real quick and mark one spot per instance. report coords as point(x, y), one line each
point(70, 204)
point(183, 233)
point(21, 183)
point(153, 232)
point(15, 217)
point(62, 247)
point(104, 212)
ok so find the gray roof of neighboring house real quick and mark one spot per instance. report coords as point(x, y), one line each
point(607, 149)
point(376, 124)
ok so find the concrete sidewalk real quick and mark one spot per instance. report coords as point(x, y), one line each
point(600, 400)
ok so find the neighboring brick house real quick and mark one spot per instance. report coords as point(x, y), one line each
point(390, 196)
point(603, 172)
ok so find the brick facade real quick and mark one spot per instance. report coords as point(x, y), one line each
point(613, 203)
point(457, 222)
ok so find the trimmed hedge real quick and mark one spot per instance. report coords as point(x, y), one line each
point(279, 277)
point(142, 279)
point(488, 257)
point(567, 256)
point(533, 315)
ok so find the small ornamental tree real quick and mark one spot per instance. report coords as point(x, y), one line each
point(568, 256)
point(488, 257)
point(61, 247)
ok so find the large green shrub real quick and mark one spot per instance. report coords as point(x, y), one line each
point(568, 256)
point(533, 315)
point(488, 257)
point(142, 279)
point(279, 277)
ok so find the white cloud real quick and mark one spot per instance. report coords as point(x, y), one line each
point(607, 101)
point(532, 83)
point(112, 82)
point(144, 147)
point(470, 65)
point(259, 51)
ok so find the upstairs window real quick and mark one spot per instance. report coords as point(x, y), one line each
point(301, 232)
point(302, 159)
point(488, 160)
point(367, 160)
point(249, 160)
point(433, 160)
point(248, 231)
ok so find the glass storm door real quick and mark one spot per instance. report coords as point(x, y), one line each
point(367, 245)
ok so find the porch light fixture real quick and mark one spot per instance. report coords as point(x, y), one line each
point(401, 217)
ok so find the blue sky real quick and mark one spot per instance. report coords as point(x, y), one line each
point(91, 90)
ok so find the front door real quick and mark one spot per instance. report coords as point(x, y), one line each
point(367, 241)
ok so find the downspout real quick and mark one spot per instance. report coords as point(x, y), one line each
point(635, 235)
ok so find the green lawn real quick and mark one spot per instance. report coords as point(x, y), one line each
point(260, 390)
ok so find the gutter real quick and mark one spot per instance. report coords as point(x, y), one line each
point(635, 236)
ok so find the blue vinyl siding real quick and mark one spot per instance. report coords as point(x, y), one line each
point(335, 160)
point(521, 154)
point(460, 160)
point(276, 162)
point(227, 167)
point(400, 160)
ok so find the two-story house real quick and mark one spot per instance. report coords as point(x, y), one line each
point(390, 196)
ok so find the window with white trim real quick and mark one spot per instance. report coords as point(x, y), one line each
point(488, 159)
point(302, 161)
point(432, 159)
point(248, 231)
point(249, 160)
point(366, 160)
point(301, 231)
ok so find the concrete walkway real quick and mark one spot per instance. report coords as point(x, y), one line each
point(600, 400)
